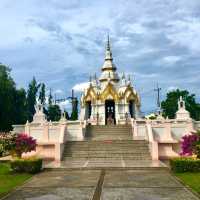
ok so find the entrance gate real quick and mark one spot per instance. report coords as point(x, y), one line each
point(110, 112)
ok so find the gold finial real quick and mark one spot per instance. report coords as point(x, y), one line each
point(108, 50)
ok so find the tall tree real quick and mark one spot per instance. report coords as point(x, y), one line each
point(50, 99)
point(20, 111)
point(74, 114)
point(54, 113)
point(170, 105)
point(42, 96)
point(66, 114)
point(7, 91)
point(31, 97)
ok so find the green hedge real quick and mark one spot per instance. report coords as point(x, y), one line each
point(183, 164)
point(33, 165)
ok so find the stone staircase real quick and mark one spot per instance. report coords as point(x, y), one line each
point(107, 142)
point(122, 149)
point(114, 132)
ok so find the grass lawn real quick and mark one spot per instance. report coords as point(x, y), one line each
point(9, 180)
point(190, 179)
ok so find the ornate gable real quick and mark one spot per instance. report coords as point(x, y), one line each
point(90, 95)
point(130, 94)
point(109, 93)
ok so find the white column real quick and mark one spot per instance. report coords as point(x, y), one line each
point(117, 112)
point(137, 112)
point(101, 110)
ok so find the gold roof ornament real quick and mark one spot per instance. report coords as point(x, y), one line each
point(109, 85)
point(108, 69)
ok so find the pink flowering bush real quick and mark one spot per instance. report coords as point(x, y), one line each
point(189, 144)
point(24, 144)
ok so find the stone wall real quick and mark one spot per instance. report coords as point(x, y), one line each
point(51, 136)
point(164, 133)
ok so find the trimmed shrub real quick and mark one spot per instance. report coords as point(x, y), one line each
point(185, 164)
point(31, 165)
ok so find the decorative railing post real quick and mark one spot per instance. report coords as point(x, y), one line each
point(153, 145)
point(27, 128)
point(46, 131)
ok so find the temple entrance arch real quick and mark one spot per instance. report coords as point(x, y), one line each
point(88, 108)
point(110, 112)
point(132, 108)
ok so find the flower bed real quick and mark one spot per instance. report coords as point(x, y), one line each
point(190, 144)
point(6, 142)
point(190, 154)
point(17, 144)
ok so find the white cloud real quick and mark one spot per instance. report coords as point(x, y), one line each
point(171, 59)
point(65, 105)
point(122, 42)
point(150, 75)
point(60, 45)
point(81, 86)
point(134, 28)
point(171, 88)
point(58, 91)
point(185, 32)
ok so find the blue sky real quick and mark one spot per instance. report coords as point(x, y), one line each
point(62, 42)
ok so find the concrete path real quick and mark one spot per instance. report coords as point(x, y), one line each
point(115, 184)
point(104, 163)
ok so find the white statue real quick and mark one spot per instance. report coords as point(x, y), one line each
point(39, 116)
point(182, 113)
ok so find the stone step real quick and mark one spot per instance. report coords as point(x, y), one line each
point(101, 147)
point(110, 126)
point(103, 154)
point(108, 133)
point(116, 132)
point(70, 151)
point(106, 141)
point(109, 157)
point(108, 138)
point(108, 147)
point(108, 153)
point(139, 149)
point(109, 130)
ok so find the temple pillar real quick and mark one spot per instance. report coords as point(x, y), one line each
point(117, 114)
point(137, 112)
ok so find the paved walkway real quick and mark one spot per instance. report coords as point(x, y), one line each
point(104, 163)
point(65, 184)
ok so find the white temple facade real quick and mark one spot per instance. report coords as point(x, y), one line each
point(109, 99)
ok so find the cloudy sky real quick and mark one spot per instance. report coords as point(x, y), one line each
point(62, 42)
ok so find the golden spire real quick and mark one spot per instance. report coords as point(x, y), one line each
point(108, 50)
point(108, 69)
